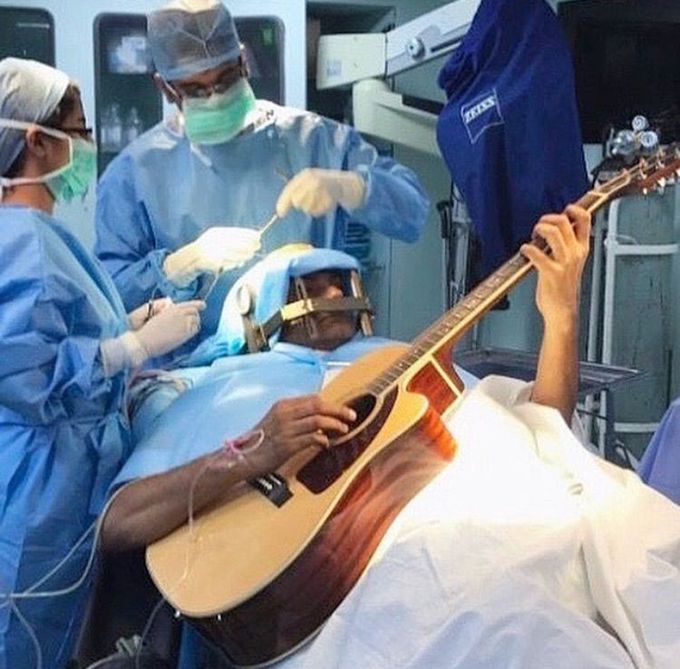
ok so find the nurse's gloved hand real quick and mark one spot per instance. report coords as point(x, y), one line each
point(170, 328)
point(163, 332)
point(137, 317)
point(316, 192)
point(216, 250)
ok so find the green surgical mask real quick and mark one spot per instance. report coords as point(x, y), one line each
point(68, 181)
point(220, 117)
point(73, 180)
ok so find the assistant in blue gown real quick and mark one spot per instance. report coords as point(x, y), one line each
point(660, 464)
point(63, 435)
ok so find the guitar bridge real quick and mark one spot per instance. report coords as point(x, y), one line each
point(274, 487)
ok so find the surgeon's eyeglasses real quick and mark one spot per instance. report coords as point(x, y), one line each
point(85, 133)
point(225, 81)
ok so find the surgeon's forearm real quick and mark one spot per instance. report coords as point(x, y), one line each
point(146, 510)
point(557, 374)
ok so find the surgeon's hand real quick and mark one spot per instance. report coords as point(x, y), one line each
point(218, 249)
point(137, 317)
point(175, 324)
point(316, 192)
point(294, 424)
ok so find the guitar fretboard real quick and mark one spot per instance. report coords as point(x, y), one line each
point(475, 304)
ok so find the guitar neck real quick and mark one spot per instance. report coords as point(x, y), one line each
point(458, 320)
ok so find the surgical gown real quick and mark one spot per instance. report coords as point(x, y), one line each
point(63, 436)
point(660, 464)
point(162, 192)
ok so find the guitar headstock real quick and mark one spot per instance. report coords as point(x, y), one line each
point(653, 172)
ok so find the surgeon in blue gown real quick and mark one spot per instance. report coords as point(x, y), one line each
point(66, 348)
point(225, 164)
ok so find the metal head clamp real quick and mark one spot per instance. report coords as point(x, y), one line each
point(257, 334)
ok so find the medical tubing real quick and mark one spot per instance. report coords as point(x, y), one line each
point(147, 628)
point(29, 630)
point(233, 450)
point(29, 593)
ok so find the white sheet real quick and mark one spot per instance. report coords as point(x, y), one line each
point(527, 552)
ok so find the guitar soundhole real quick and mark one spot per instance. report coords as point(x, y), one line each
point(363, 405)
point(326, 467)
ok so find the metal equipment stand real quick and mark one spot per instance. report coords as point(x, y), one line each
point(602, 311)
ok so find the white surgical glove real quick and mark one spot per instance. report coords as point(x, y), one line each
point(163, 332)
point(170, 328)
point(137, 317)
point(216, 250)
point(316, 192)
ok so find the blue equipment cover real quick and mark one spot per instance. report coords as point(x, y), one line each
point(509, 132)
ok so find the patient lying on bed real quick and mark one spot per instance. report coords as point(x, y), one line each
point(525, 552)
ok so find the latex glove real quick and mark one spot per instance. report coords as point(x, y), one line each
point(167, 329)
point(218, 249)
point(170, 328)
point(137, 317)
point(316, 192)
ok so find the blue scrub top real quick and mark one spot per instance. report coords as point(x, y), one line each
point(162, 192)
point(660, 464)
point(63, 436)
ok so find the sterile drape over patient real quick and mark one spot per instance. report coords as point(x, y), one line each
point(526, 551)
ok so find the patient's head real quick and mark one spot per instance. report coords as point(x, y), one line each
point(299, 294)
point(323, 330)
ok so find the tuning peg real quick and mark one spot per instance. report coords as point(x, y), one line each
point(645, 191)
point(649, 141)
point(661, 185)
point(640, 123)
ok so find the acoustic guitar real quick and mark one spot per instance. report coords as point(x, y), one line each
point(262, 569)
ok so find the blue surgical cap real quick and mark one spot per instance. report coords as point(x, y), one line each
point(29, 91)
point(191, 36)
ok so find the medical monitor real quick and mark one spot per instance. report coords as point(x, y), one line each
point(627, 62)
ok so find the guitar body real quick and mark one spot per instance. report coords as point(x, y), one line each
point(259, 579)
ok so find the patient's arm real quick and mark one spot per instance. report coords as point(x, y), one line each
point(557, 298)
point(149, 508)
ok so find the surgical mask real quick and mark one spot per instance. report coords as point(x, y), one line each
point(72, 179)
point(220, 117)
